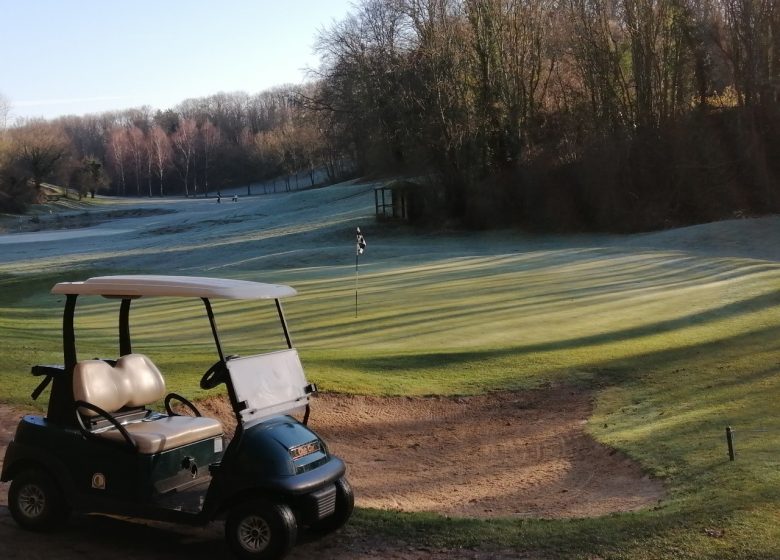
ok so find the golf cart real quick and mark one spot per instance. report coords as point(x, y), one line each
point(101, 449)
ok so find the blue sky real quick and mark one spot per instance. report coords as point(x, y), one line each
point(62, 57)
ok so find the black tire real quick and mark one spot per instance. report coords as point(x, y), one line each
point(261, 530)
point(36, 501)
point(345, 503)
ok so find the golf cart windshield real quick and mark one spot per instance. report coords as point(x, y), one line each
point(269, 384)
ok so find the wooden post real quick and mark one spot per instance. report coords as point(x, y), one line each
point(730, 442)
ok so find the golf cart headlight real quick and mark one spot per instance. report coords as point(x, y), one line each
point(305, 449)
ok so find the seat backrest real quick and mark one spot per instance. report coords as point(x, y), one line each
point(134, 381)
point(269, 384)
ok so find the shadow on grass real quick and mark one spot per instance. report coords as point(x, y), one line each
point(667, 532)
point(387, 364)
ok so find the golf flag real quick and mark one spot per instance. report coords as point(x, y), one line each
point(360, 246)
point(361, 243)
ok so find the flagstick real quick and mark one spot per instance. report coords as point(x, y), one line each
point(356, 284)
point(360, 245)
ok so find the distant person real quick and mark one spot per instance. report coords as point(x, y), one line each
point(235, 198)
point(219, 198)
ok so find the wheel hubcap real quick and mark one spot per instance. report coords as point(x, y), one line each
point(31, 501)
point(254, 534)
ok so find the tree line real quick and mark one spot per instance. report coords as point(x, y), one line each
point(554, 114)
point(564, 114)
point(200, 146)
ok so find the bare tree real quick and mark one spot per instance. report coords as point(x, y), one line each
point(15, 192)
point(184, 141)
point(40, 149)
point(119, 150)
point(210, 137)
point(656, 31)
point(5, 111)
point(137, 146)
point(598, 51)
point(87, 176)
point(160, 154)
point(513, 63)
point(753, 47)
point(87, 135)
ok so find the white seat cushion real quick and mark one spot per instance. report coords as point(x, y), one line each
point(134, 381)
point(166, 433)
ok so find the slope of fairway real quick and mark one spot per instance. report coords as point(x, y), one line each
point(677, 333)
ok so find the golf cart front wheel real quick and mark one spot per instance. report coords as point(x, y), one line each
point(36, 502)
point(260, 530)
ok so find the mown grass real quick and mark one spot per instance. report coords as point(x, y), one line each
point(675, 346)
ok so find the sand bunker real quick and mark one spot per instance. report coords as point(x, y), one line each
point(523, 454)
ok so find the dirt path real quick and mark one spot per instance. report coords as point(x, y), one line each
point(510, 454)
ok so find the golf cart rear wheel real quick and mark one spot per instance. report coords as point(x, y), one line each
point(36, 502)
point(261, 530)
point(345, 503)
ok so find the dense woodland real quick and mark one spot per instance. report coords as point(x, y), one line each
point(620, 115)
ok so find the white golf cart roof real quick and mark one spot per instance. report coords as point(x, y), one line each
point(177, 286)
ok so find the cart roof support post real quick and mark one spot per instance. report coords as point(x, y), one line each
point(69, 334)
point(284, 323)
point(213, 324)
point(125, 346)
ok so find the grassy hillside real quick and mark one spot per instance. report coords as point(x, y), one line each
point(679, 339)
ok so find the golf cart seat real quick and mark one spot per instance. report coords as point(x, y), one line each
point(119, 394)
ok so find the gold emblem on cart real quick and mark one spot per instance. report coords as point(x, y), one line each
point(99, 481)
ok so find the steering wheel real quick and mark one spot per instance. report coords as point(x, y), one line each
point(177, 397)
point(215, 375)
